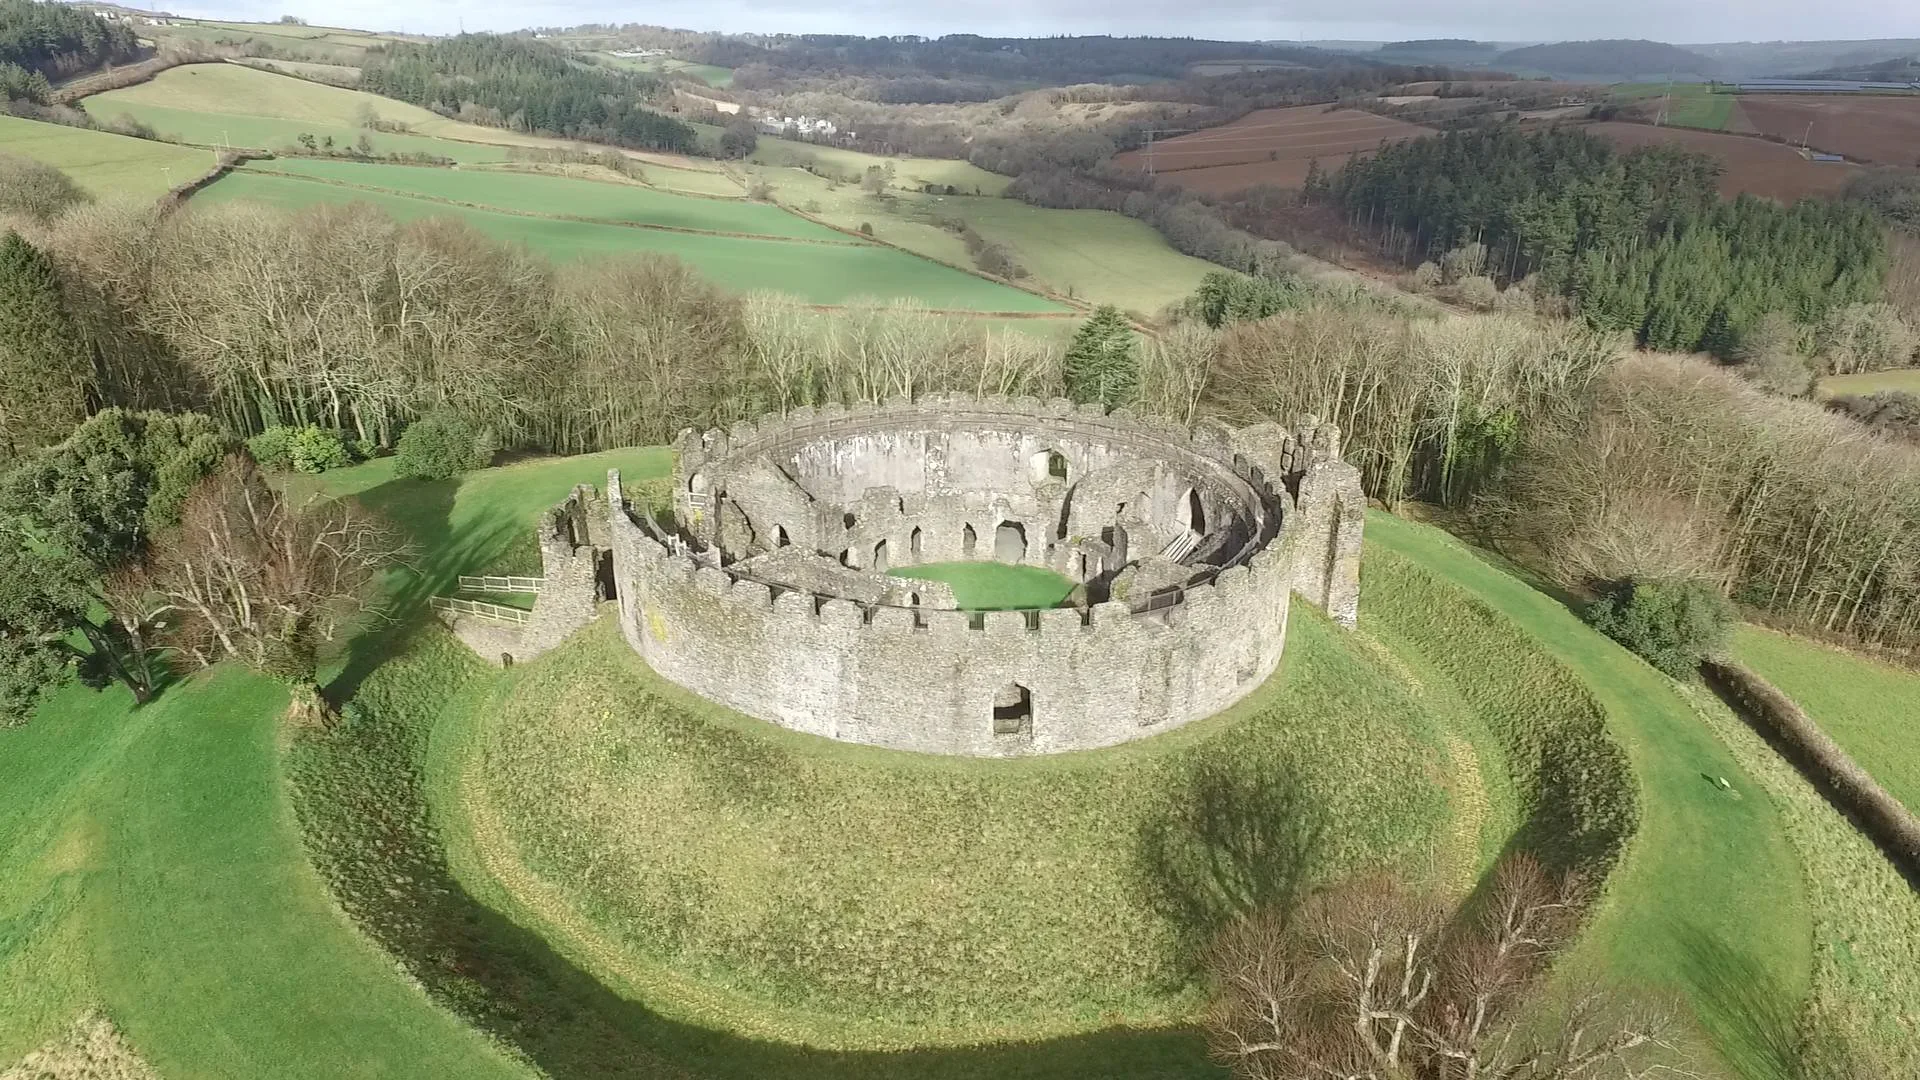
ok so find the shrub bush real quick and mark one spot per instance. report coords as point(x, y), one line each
point(1673, 625)
point(442, 444)
point(308, 449)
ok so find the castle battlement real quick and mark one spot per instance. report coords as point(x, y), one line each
point(1188, 546)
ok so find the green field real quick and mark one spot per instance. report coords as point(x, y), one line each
point(1095, 256)
point(1872, 382)
point(983, 585)
point(534, 193)
point(910, 173)
point(1691, 104)
point(717, 77)
point(820, 273)
point(106, 165)
point(236, 105)
point(1870, 707)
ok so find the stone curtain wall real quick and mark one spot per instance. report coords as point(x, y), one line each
point(1281, 514)
point(570, 562)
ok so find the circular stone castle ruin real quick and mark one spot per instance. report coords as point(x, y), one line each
point(768, 588)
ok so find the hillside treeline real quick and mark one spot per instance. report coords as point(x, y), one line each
point(1549, 432)
point(526, 86)
point(345, 318)
point(42, 42)
point(1639, 241)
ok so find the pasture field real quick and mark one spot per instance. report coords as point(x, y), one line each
point(1882, 130)
point(327, 73)
point(1098, 256)
point(1749, 165)
point(1872, 382)
point(1688, 104)
point(1093, 256)
point(312, 44)
point(910, 173)
point(1870, 707)
point(717, 77)
point(662, 177)
point(1269, 146)
point(535, 193)
point(108, 166)
point(238, 105)
point(836, 272)
point(984, 585)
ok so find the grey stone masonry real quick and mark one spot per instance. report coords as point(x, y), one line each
point(764, 591)
point(570, 564)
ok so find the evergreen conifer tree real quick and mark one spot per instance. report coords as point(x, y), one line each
point(1101, 364)
point(43, 368)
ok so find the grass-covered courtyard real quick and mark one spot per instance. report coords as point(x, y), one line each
point(985, 585)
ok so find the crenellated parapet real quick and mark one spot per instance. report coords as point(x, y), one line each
point(766, 591)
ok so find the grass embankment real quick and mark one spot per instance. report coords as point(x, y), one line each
point(150, 865)
point(1870, 707)
point(106, 165)
point(791, 887)
point(842, 270)
point(984, 585)
point(1710, 898)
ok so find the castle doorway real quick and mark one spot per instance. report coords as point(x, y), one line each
point(880, 557)
point(968, 541)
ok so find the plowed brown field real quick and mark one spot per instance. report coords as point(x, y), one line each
point(1749, 165)
point(1271, 146)
point(1882, 130)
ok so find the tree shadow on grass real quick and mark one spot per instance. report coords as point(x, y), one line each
point(1238, 842)
point(423, 511)
point(1753, 1020)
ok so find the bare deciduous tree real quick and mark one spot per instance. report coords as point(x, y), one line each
point(249, 576)
point(1372, 981)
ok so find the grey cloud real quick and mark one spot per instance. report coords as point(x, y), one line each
point(1496, 20)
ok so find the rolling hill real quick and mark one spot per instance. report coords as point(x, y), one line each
point(1618, 59)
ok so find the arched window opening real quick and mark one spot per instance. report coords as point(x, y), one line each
point(1010, 542)
point(697, 483)
point(846, 557)
point(1013, 710)
point(913, 544)
point(780, 536)
point(880, 557)
point(1048, 465)
point(967, 541)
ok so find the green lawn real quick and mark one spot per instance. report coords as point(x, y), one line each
point(536, 193)
point(107, 166)
point(984, 585)
point(149, 864)
point(274, 133)
point(1710, 884)
point(815, 273)
point(711, 74)
point(1872, 382)
point(1870, 707)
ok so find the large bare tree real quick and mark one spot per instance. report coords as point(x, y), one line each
point(249, 576)
point(1370, 980)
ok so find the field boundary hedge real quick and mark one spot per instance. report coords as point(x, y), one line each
point(1825, 764)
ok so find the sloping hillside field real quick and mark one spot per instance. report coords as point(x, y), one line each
point(742, 245)
point(1270, 146)
point(106, 165)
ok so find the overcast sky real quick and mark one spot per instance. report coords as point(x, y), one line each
point(1687, 21)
